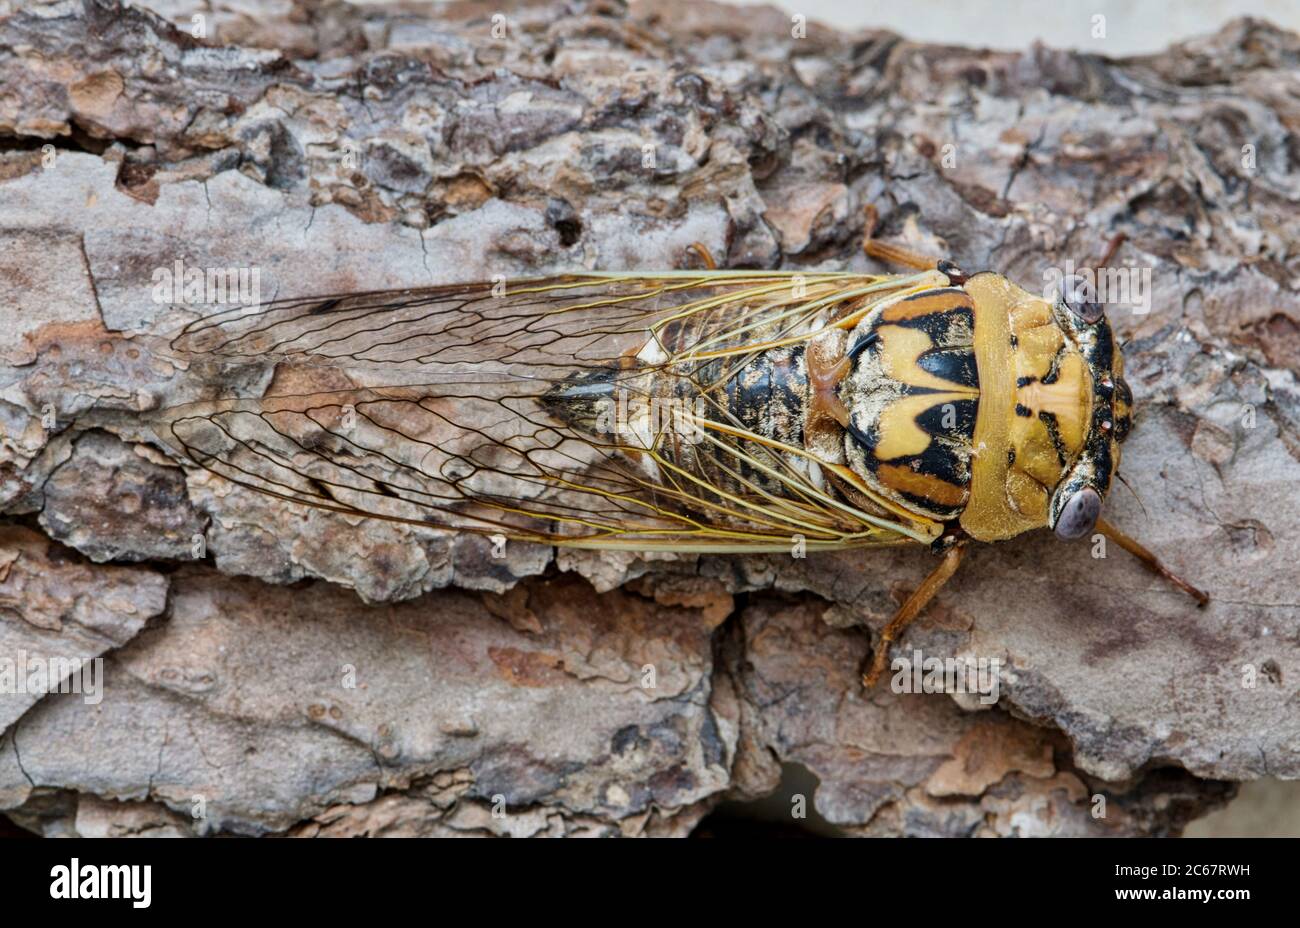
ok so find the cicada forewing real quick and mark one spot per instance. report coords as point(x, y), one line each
point(595, 410)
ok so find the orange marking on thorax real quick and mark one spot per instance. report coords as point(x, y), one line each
point(917, 306)
point(925, 486)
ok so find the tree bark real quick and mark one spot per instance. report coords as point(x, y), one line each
point(294, 672)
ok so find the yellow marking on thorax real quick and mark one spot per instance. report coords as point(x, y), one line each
point(900, 353)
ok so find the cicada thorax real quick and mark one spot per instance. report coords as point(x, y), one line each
point(912, 397)
point(976, 403)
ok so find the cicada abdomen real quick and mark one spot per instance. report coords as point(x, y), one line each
point(664, 400)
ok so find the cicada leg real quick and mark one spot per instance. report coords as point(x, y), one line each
point(1150, 561)
point(701, 251)
point(911, 609)
point(904, 257)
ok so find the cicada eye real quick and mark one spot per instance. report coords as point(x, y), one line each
point(1079, 514)
point(1080, 298)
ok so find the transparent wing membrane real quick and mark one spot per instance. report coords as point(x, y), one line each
point(533, 408)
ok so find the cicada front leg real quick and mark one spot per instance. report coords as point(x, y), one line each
point(911, 609)
point(701, 251)
point(1150, 561)
point(904, 257)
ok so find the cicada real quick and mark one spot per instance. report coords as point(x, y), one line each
point(701, 411)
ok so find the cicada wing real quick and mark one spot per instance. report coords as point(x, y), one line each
point(539, 327)
point(480, 433)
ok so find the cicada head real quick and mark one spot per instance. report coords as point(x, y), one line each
point(1076, 501)
point(1054, 409)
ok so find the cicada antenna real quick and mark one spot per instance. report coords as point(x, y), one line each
point(1128, 486)
point(1112, 247)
